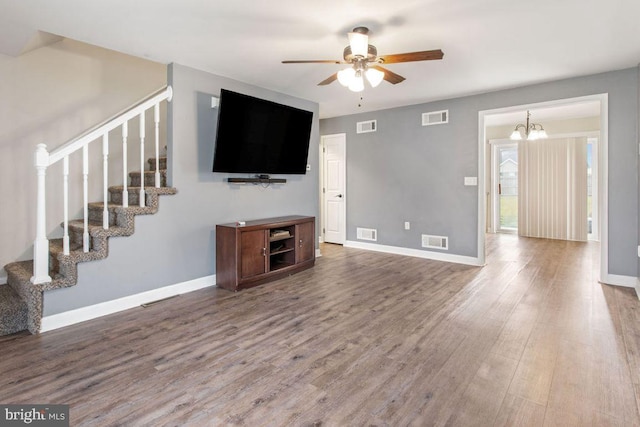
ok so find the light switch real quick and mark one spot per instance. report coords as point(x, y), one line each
point(470, 180)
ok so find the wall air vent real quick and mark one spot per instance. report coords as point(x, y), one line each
point(435, 118)
point(367, 234)
point(365, 127)
point(435, 242)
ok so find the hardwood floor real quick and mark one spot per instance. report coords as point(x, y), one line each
point(363, 338)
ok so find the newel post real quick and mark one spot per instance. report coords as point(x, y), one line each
point(41, 243)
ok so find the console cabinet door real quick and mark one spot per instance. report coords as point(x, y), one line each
point(305, 242)
point(253, 259)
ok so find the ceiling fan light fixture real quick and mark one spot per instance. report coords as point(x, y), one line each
point(374, 76)
point(361, 55)
point(357, 83)
point(346, 76)
point(359, 43)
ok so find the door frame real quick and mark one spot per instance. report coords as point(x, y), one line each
point(603, 170)
point(343, 213)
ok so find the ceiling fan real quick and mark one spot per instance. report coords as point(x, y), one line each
point(365, 62)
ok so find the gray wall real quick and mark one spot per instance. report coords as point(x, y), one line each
point(178, 243)
point(406, 172)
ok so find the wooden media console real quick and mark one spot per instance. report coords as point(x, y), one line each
point(263, 250)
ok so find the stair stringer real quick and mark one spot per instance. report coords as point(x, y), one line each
point(19, 273)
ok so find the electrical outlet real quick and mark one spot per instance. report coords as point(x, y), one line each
point(407, 225)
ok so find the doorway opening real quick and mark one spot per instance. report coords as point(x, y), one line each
point(332, 188)
point(503, 174)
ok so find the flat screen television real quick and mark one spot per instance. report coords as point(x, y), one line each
point(261, 137)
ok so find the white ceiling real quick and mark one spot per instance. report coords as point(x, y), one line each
point(488, 45)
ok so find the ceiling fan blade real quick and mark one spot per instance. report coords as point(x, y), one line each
point(332, 78)
point(425, 55)
point(315, 61)
point(389, 76)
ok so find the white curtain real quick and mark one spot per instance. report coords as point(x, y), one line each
point(552, 188)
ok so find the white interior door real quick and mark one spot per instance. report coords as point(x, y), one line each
point(333, 188)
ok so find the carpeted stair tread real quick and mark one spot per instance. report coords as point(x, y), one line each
point(96, 209)
point(13, 311)
point(21, 270)
point(162, 160)
point(149, 178)
point(115, 193)
point(96, 212)
point(55, 246)
point(135, 189)
point(95, 228)
point(63, 267)
point(110, 205)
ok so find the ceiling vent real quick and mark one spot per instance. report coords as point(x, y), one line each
point(435, 242)
point(367, 234)
point(435, 118)
point(366, 127)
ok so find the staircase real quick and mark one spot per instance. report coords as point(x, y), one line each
point(21, 300)
point(55, 263)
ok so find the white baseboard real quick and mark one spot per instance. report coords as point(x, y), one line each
point(638, 288)
point(83, 314)
point(318, 253)
point(618, 280)
point(438, 256)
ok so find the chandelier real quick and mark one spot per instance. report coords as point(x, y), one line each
point(532, 131)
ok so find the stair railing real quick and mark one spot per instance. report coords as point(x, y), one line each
point(44, 159)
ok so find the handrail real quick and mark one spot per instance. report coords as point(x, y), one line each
point(113, 122)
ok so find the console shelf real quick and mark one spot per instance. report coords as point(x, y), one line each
point(263, 250)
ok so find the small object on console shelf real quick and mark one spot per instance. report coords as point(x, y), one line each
point(280, 233)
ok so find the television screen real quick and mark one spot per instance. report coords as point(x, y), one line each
point(259, 136)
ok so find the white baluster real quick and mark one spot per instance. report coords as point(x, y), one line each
point(156, 119)
point(85, 197)
point(65, 202)
point(105, 180)
point(142, 133)
point(125, 193)
point(41, 243)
